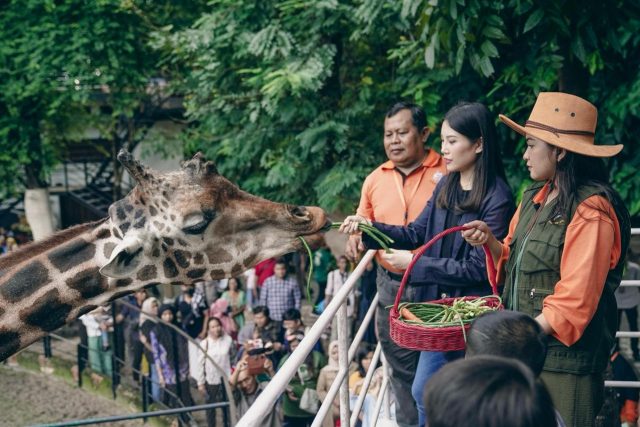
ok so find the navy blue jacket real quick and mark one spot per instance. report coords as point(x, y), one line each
point(465, 273)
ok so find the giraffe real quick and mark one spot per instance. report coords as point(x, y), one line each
point(176, 227)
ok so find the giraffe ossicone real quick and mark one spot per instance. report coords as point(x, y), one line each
point(176, 227)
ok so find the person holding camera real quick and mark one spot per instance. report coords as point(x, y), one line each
point(219, 347)
point(246, 389)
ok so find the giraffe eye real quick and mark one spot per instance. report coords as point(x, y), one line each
point(197, 228)
point(198, 222)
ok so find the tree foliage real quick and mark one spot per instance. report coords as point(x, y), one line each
point(72, 65)
point(289, 96)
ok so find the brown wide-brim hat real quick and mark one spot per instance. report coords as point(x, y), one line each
point(565, 121)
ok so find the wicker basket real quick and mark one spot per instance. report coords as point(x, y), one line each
point(430, 337)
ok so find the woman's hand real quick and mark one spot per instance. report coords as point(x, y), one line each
point(478, 234)
point(398, 259)
point(350, 224)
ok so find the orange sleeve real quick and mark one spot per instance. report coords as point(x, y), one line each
point(629, 412)
point(592, 247)
point(365, 208)
point(504, 255)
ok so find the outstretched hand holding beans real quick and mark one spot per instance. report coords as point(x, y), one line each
point(350, 224)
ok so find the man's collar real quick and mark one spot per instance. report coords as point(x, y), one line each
point(430, 160)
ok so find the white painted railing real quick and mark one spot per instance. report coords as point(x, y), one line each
point(627, 334)
point(338, 306)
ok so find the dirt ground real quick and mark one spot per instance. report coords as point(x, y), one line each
point(32, 398)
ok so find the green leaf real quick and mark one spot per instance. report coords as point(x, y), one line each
point(533, 20)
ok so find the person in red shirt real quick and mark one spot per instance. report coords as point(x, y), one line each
point(562, 258)
point(264, 270)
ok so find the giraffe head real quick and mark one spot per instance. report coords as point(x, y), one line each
point(194, 224)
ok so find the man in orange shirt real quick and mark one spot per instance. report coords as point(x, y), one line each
point(395, 193)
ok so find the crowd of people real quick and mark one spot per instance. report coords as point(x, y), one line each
point(213, 334)
point(560, 255)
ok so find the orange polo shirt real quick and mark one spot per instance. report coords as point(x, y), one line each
point(392, 198)
point(592, 247)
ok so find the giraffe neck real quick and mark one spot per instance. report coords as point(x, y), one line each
point(53, 282)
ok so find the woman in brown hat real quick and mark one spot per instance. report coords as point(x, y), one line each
point(563, 257)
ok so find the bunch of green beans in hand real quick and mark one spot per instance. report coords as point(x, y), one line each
point(382, 239)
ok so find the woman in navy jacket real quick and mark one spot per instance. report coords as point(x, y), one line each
point(474, 188)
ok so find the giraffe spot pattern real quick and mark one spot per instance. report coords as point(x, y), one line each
point(103, 234)
point(196, 274)
point(168, 240)
point(198, 259)
point(170, 269)
point(147, 272)
point(237, 269)
point(89, 283)
point(72, 254)
point(48, 313)
point(159, 225)
point(108, 249)
point(116, 233)
point(182, 258)
point(25, 282)
point(9, 343)
point(220, 256)
point(156, 252)
point(1, 311)
point(173, 217)
point(217, 274)
point(128, 207)
point(121, 214)
point(138, 214)
point(123, 282)
point(249, 261)
point(182, 242)
point(153, 211)
point(119, 295)
point(141, 222)
point(125, 227)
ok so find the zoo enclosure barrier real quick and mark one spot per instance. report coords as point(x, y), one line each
point(338, 305)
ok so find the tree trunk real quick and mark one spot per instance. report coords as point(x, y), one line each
point(38, 212)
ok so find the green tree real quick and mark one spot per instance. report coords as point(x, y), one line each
point(69, 66)
point(288, 96)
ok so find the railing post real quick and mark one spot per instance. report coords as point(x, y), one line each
point(145, 396)
point(385, 380)
point(343, 361)
point(80, 363)
point(66, 176)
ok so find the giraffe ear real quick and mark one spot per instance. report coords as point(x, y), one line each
point(125, 259)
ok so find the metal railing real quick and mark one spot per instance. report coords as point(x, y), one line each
point(627, 334)
point(265, 402)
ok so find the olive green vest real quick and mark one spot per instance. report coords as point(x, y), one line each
point(531, 275)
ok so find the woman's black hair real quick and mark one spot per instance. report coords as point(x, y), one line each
point(576, 170)
point(474, 121)
point(487, 391)
point(217, 320)
point(238, 281)
point(363, 350)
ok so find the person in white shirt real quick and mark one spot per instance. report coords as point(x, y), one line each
point(252, 292)
point(335, 280)
point(210, 379)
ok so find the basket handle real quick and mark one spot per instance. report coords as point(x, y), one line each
point(405, 278)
